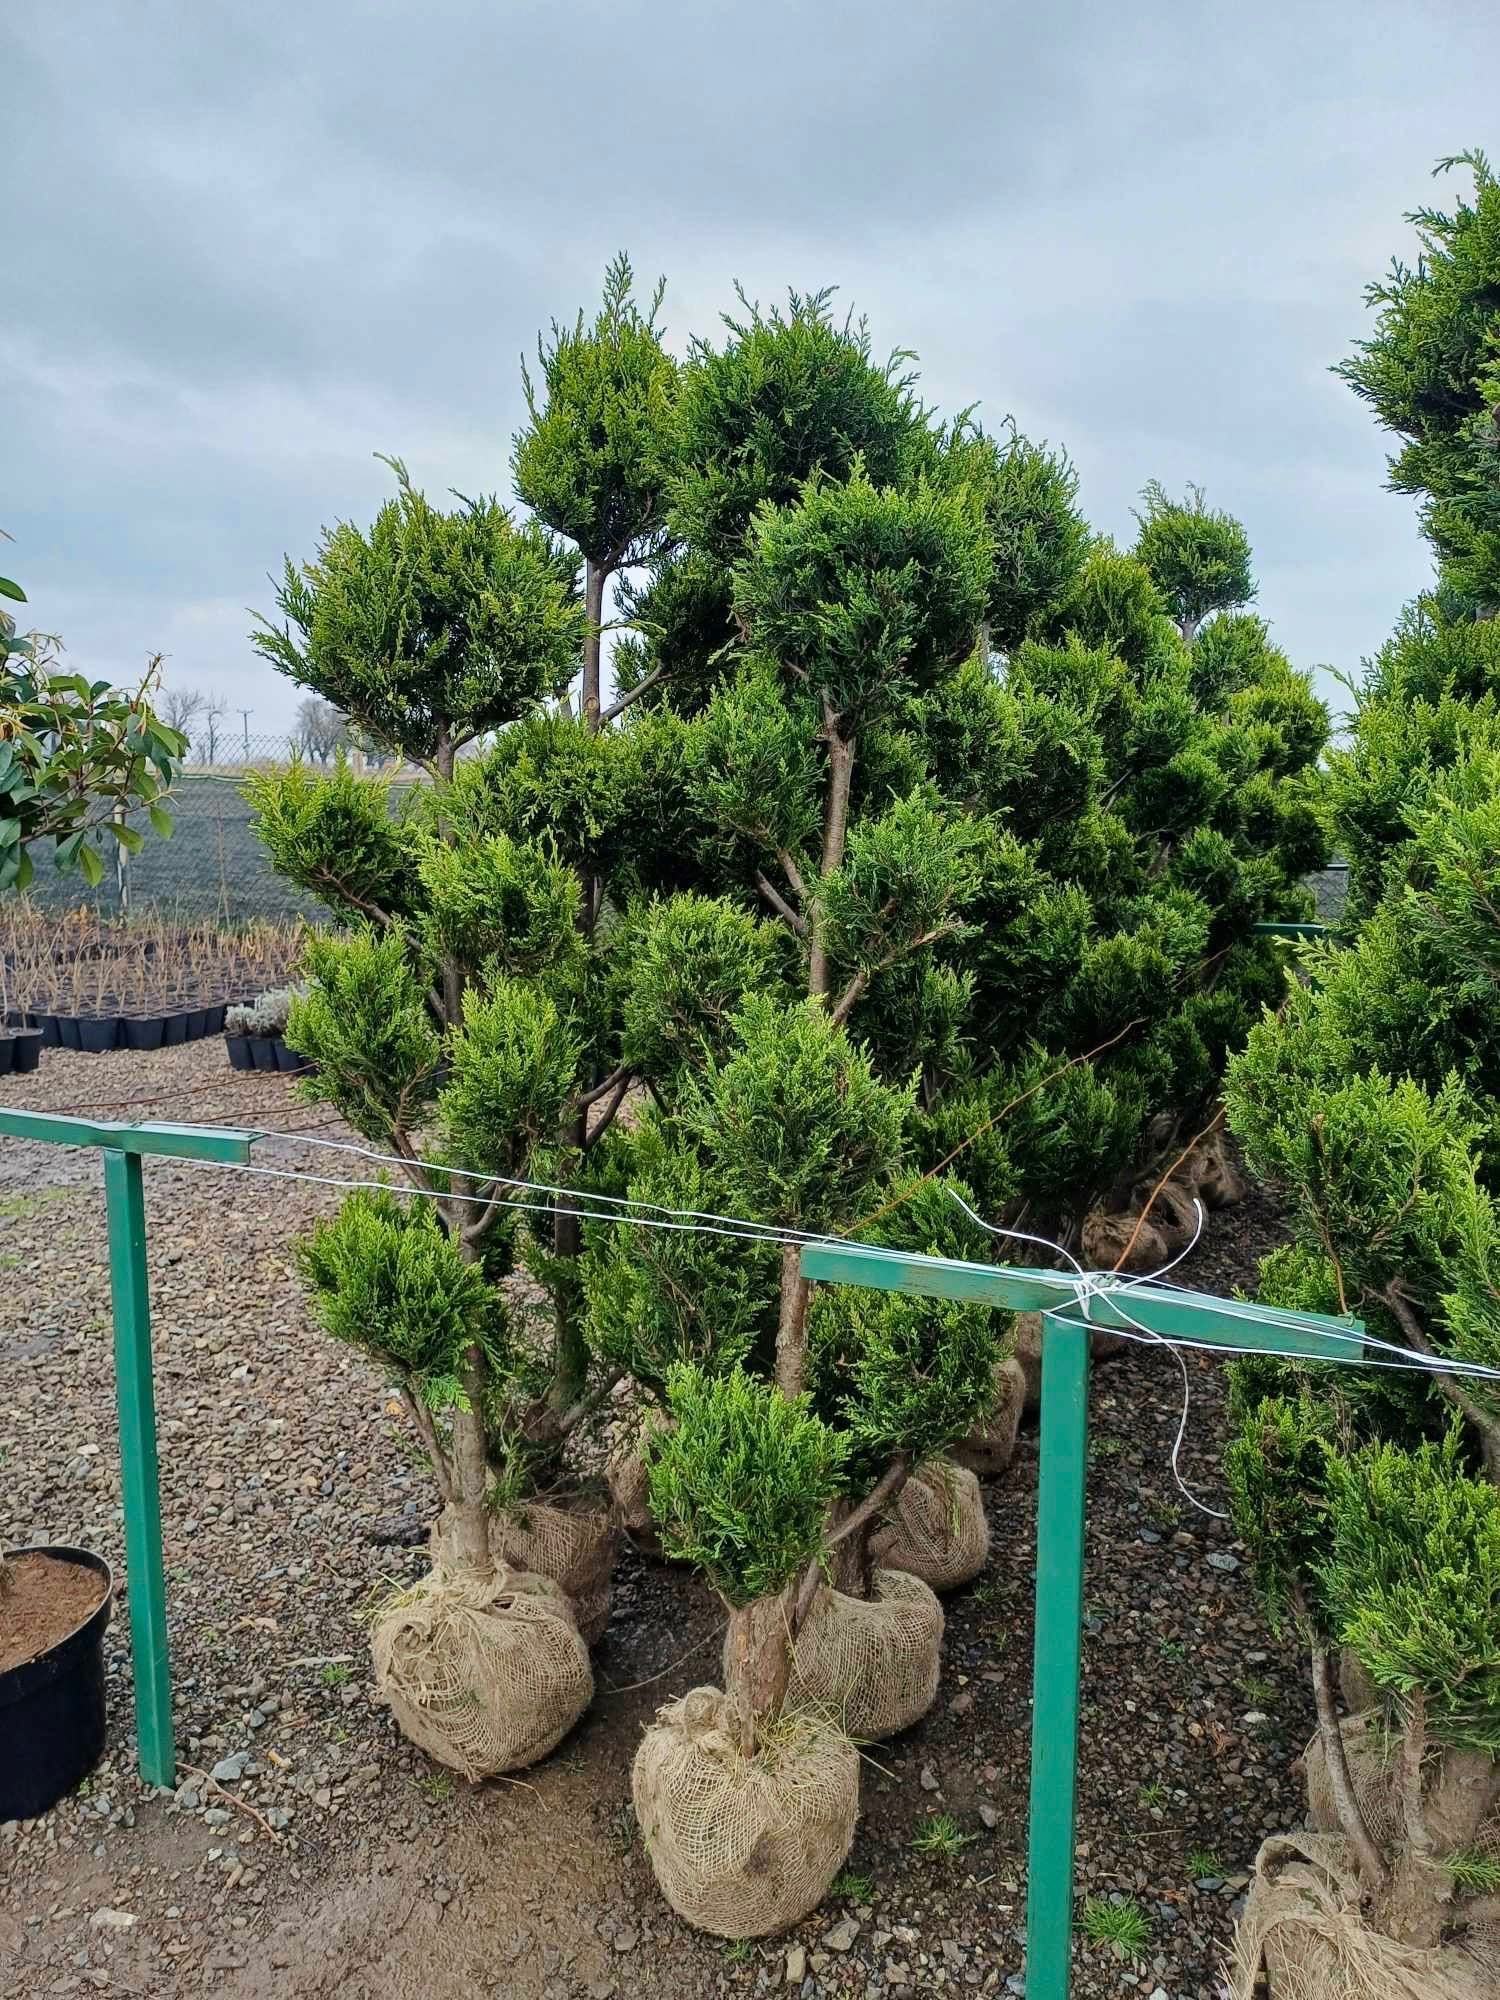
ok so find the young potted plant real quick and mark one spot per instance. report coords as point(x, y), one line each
point(54, 1606)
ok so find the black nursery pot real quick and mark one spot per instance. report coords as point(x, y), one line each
point(51, 1027)
point(26, 1053)
point(52, 1707)
point(97, 1035)
point(239, 1051)
point(176, 1030)
point(7, 1055)
point(144, 1031)
point(262, 1051)
point(214, 1017)
point(288, 1059)
point(67, 1031)
point(198, 1023)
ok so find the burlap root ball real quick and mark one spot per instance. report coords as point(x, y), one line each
point(629, 1489)
point(576, 1547)
point(485, 1676)
point(743, 1846)
point(936, 1528)
point(1370, 1753)
point(873, 1663)
point(991, 1445)
point(1303, 1937)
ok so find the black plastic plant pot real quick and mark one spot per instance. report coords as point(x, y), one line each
point(239, 1051)
point(288, 1059)
point(67, 1031)
point(143, 1031)
point(263, 1051)
point(176, 1030)
point(52, 1707)
point(51, 1028)
point(7, 1055)
point(98, 1034)
point(26, 1053)
point(214, 1017)
point(197, 1023)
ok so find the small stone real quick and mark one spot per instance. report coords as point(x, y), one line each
point(1209, 1884)
point(627, 1939)
point(323, 1797)
point(988, 1815)
point(928, 1779)
point(842, 1936)
point(229, 1770)
point(113, 1920)
point(1253, 1717)
point(796, 1965)
point(1229, 1564)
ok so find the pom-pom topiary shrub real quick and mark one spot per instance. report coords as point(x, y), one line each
point(914, 838)
point(1370, 1500)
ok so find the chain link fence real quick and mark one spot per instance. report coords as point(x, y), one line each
point(214, 866)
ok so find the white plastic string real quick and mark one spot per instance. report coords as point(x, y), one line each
point(1089, 1284)
point(627, 1203)
point(752, 1234)
point(1098, 1284)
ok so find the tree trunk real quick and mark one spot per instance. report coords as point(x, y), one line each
point(1418, 1902)
point(1351, 1819)
point(570, 1352)
point(452, 976)
point(791, 1331)
point(468, 1511)
point(758, 1665)
point(595, 576)
point(835, 834)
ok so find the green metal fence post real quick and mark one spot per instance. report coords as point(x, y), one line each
point(1057, 1656)
point(126, 1208)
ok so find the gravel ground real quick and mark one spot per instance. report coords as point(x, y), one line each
point(327, 1858)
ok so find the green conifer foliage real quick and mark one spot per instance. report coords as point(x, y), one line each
point(1370, 1501)
point(1198, 558)
point(1431, 373)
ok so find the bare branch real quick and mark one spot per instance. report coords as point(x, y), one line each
point(426, 1430)
point(779, 902)
point(632, 695)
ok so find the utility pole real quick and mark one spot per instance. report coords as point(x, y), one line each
point(245, 715)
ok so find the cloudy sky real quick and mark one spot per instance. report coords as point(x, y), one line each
point(249, 246)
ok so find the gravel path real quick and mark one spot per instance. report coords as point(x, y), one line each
point(328, 1859)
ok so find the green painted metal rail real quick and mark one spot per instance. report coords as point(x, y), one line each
point(123, 1147)
point(1061, 1502)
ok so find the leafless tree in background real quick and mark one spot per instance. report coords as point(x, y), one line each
point(321, 728)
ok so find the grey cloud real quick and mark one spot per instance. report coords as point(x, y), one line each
point(254, 245)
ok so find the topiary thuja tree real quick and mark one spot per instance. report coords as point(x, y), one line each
point(1370, 1498)
point(452, 1024)
point(1014, 831)
point(783, 1438)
